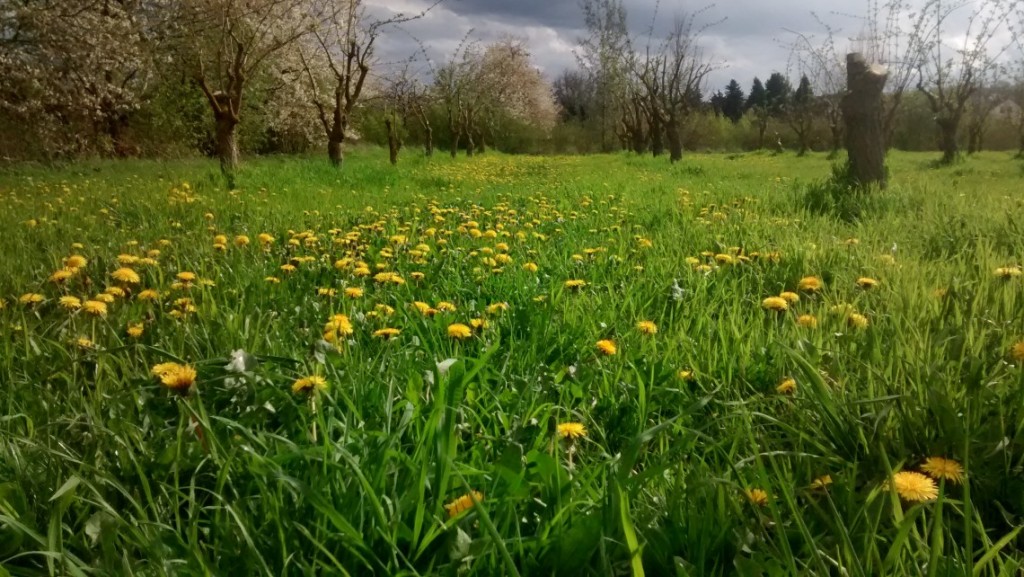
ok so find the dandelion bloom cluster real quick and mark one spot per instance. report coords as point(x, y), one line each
point(459, 331)
point(914, 486)
point(775, 304)
point(787, 386)
point(647, 327)
point(941, 468)
point(309, 384)
point(606, 347)
point(174, 376)
point(571, 430)
point(463, 503)
point(810, 284)
point(757, 497)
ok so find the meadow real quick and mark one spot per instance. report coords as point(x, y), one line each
point(503, 365)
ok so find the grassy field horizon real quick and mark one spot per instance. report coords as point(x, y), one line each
point(510, 365)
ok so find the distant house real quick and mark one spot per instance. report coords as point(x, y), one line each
point(1007, 111)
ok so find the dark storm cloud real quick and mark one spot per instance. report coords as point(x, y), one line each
point(749, 38)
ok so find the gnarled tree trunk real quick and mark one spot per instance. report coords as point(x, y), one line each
point(227, 144)
point(675, 140)
point(949, 129)
point(862, 114)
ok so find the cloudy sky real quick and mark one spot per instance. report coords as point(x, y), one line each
point(751, 39)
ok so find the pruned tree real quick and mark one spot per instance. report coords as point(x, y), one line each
point(821, 62)
point(337, 60)
point(602, 56)
point(950, 72)
point(979, 110)
point(800, 112)
point(890, 38)
point(225, 43)
point(410, 100)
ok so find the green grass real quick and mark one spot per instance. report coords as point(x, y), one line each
point(105, 471)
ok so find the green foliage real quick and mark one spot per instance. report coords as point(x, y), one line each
point(105, 471)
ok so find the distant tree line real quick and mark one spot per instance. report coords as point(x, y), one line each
point(125, 78)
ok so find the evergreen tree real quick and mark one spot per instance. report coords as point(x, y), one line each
point(733, 103)
point(777, 93)
point(718, 103)
point(758, 96)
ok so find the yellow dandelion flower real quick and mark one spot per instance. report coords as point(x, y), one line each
point(463, 503)
point(786, 387)
point(478, 324)
point(790, 297)
point(459, 331)
point(241, 240)
point(417, 276)
point(70, 303)
point(326, 292)
point(757, 497)
point(61, 275)
point(913, 486)
point(135, 330)
point(75, 261)
point(647, 327)
point(810, 284)
point(148, 295)
point(115, 291)
point(287, 268)
point(495, 308)
point(775, 304)
point(84, 343)
point(1017, 351)
point(530, 267)
point(338, 326)
point(31, 299)
point(685, 375)
point(104, 297)
point(606, 347)
point(867, 282)
point(178, 378)
point(386, 333)
point(309, 384)
point(126, 275)
point(1008, 272)
point(575, 284)
point(186, 277)
point(807, 321)
point(272, 280)
point(445, 307)
point(353, 292)
point(571, 431)
point(857, 321)
point(96, 308)
point(821, 482)
point(940, 468)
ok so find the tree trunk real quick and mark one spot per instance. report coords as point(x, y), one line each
point(762, 127)
point(862, 114)
point(837, 138)
point(657, 140)
point(394, 144)
point(334, 151)
point(675, 142)
point(428, 142)
point(470, 145)
point(227, 145)
point(948, 129)
point(456, 135)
